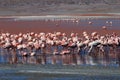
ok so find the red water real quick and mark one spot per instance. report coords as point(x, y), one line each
point(9, 25)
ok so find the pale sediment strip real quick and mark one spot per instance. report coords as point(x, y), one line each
point(49, 72)
point(56, 17)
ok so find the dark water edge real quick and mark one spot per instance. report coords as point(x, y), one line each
point(57, 72)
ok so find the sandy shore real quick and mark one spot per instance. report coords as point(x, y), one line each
point(27, 8)
point(58, 7)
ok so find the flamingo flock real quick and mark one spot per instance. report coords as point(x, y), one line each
point(71, 49)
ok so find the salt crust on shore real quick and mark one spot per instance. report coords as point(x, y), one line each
point(61, 17)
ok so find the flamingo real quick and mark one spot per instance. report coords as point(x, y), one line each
point(90, 22)
point(31, 42)
point(104, 27)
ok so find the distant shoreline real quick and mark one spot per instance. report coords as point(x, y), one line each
point(81, 14)
point(69, 16)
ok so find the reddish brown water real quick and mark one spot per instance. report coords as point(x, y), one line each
point(67, 26)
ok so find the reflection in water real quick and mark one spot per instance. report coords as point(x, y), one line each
point(61, 59)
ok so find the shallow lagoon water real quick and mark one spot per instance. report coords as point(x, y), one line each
point(67, 24)
point(57, 72)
